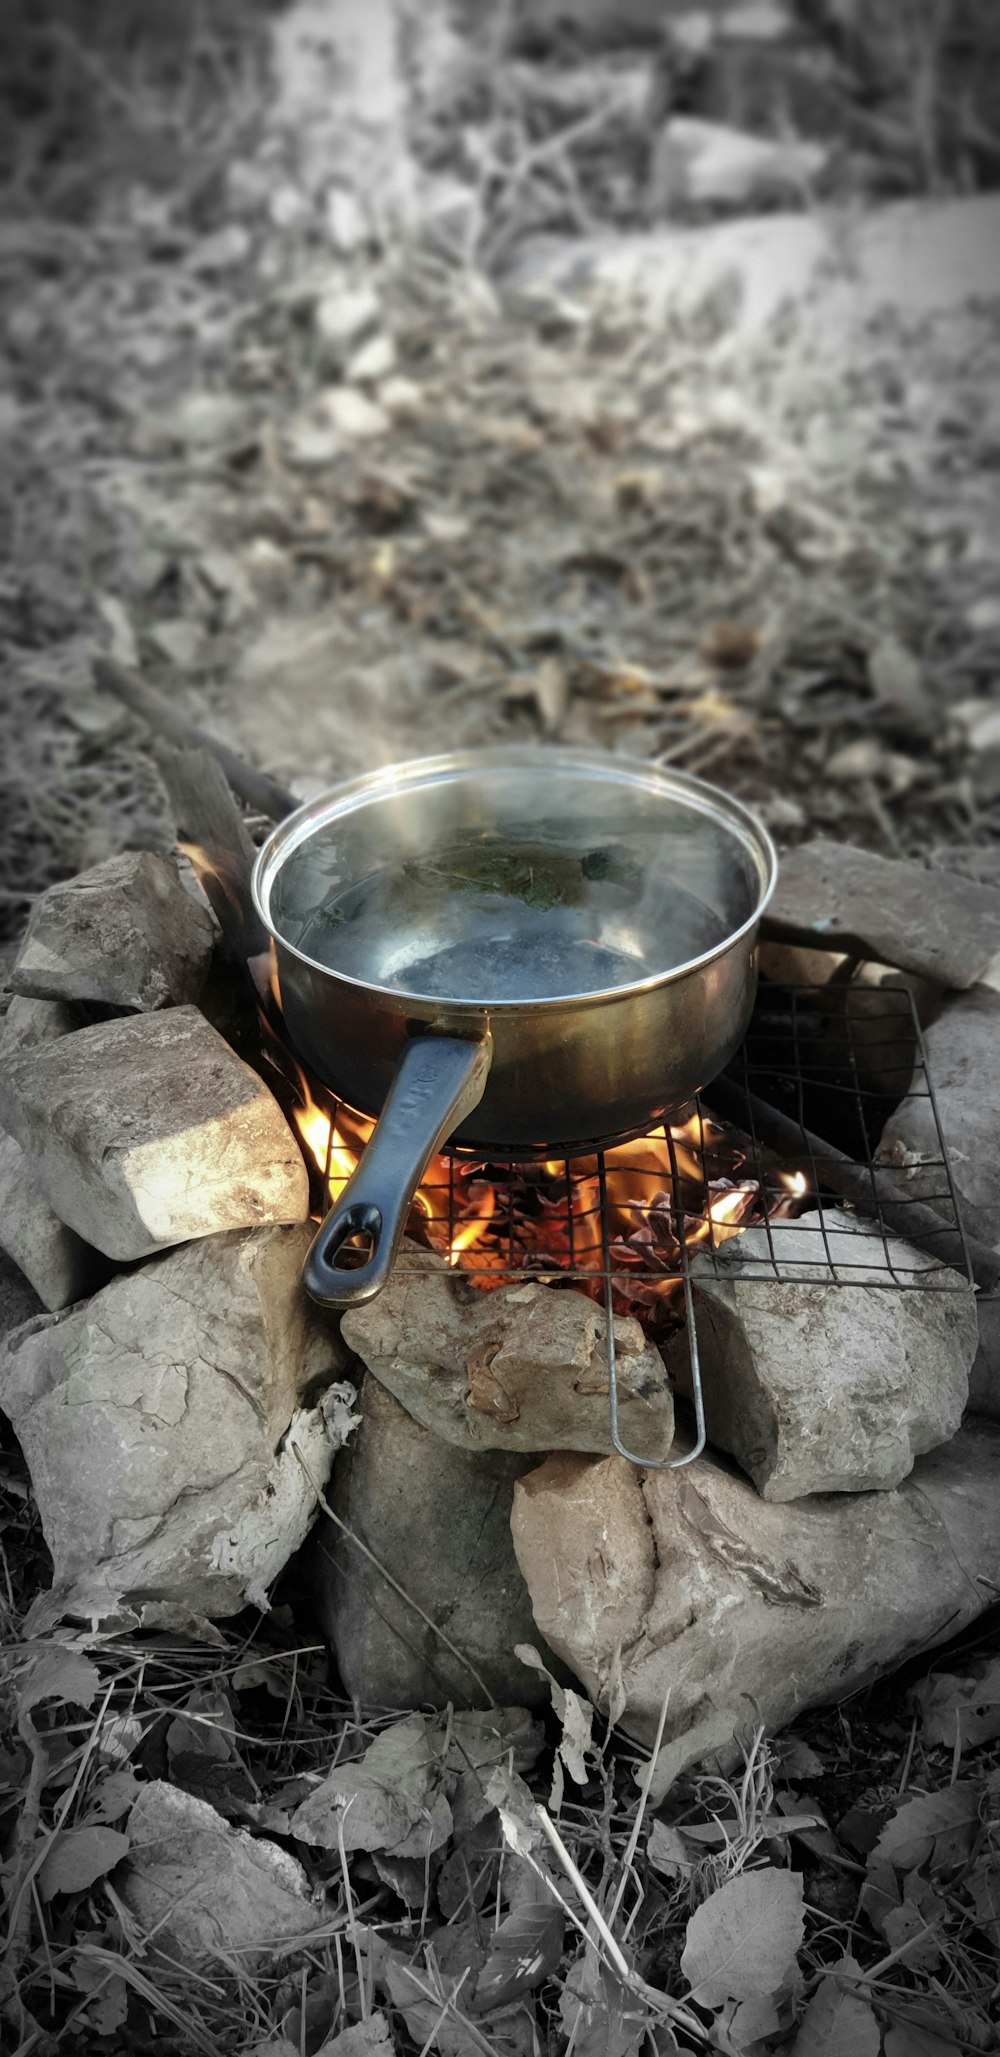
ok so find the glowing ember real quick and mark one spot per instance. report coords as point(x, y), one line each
point(493, 1220)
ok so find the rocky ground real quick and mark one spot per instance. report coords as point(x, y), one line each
point(376, 387)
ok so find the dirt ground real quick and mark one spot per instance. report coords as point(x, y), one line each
point(330, 404)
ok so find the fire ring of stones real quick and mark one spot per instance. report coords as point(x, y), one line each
point(184, 1410)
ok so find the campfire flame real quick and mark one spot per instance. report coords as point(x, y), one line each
point(681, 1181)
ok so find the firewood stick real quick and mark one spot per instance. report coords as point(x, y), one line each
point(255, 788)
point(207, 818)
point(875, 1192)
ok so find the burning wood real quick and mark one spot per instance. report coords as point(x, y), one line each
point(636, 1210)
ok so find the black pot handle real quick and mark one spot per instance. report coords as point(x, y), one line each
point(439, 1081)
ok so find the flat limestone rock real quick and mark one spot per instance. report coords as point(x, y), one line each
point(963, 1058)
point(126, 933)
point(438, 1520)
point(815, 1388)
point(888, 911)
point(149, 1131)
point(207, 1893)
point(522, 1368)
point(60, 1265)
point(156, 1419)
point(755, 1611)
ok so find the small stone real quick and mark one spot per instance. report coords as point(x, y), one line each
point(182, 643)
point(156, 1421)
point(749, 1611)
point(150, 1131)
point(125, 934)
point(401, 397)
point(352, 415)
point(55, 1261)
point(822, 1388)
point(309, 448)
point(220, 252)
point(375, 360)
point(522, 1368)
point(204, 420)
point(289, 207)
point(206, 1893)
point(345, 221)
point(341, 318)
point(438, 1519)
point(963, 1060)
point(271, 569)
point(887, 911)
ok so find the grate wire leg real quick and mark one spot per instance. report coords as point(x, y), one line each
point(697, 1395)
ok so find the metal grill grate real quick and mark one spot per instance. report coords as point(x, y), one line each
point(637, 1222)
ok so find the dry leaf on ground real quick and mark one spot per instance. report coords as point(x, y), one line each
point(78, 1857)
point(935, 1829)
point(837, 2024)
point(523, 1951)
point(743, 1939)
point(369, 2038)
point(58, 1674)
point(961, 1711)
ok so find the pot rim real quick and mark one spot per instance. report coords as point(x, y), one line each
point(343, 798)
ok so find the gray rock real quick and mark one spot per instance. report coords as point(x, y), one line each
point(438, 1520)
point(756, 1611)
point(815, 1388)
point(522, 1368)
point(206, 1893)
point(28, 1022)
point(18, 1300)
point(892, 911)
point(60, 1266)
point(126, 934)
point(984, 1378)
point(150, 1131)
point(342, 316)
point(963, 1060)
point(156, 1421)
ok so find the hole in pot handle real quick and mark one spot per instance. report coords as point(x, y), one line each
point(439, 1081)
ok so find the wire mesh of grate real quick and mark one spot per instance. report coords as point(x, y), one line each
point(637, 1216)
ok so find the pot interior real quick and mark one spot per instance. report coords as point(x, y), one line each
point(510, 880)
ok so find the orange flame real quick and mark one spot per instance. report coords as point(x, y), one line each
point(561, 1226)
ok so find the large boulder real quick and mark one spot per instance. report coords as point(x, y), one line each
point(150, 1131)
point(521, 1368)
point(436, 1520)
point(963, 1061)
point(686, 1589)
point(125, 934)
point(816, 1386)
point(888, 910)
point(160, 1421)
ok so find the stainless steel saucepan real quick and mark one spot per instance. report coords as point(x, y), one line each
point(528, 951)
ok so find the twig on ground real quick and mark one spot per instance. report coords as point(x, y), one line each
point(254, 787)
